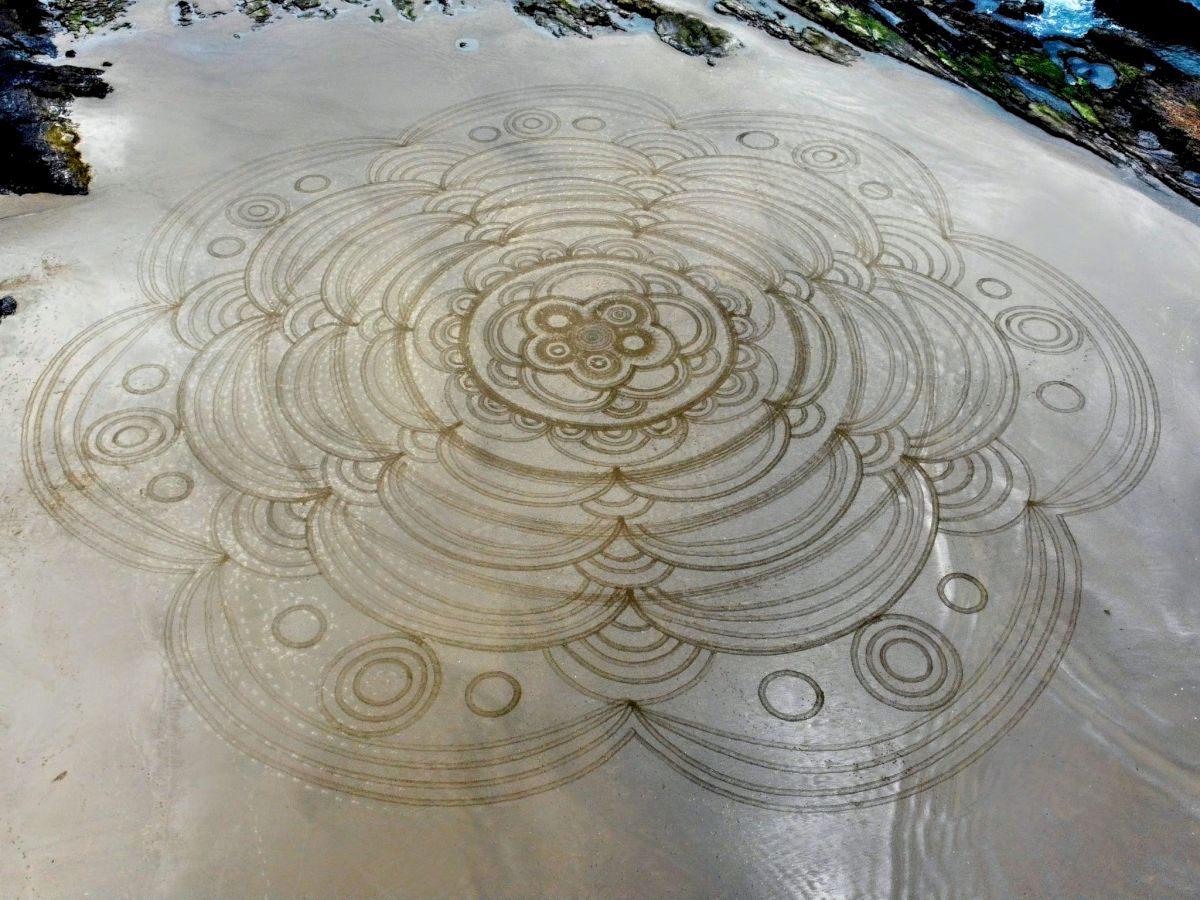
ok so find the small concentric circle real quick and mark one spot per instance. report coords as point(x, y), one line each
point(531, 123)
point(1042, 330)
point(257, 211)
point(790, 695)
point(380, 685)
point(382, 682)
point(130, 436)
point(595, 337)
point(493, 694)
point(825, 156)
point(906, 663)
point(619, 313)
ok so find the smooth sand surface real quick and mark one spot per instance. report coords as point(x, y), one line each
point(257, 682)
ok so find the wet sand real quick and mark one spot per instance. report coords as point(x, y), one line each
point(1089, 791)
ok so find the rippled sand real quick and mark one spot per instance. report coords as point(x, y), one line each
point(562, 468)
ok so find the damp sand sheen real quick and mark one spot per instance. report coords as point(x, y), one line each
point(542, 479)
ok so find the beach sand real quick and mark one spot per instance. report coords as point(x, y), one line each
point(1091, 791)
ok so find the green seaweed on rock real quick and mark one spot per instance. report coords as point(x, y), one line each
point(685, 32)
point(80, 16)
point(1039, 65)
point(63, 140)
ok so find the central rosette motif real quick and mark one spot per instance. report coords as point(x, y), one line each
point(599, 345)
point(593, 343)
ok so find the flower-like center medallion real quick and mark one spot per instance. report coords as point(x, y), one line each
point(588, 344)
point(599, 344)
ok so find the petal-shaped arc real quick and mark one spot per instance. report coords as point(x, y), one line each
point(821, 590)
point(397, 581)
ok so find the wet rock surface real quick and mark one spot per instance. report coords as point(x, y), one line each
point(806, 38)
point(264, 11)
point(683, 31)
point(1166, 20)
point(38, 140)
point(1110, 89)
point(80, 16)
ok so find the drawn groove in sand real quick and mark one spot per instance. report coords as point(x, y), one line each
point(665, 411)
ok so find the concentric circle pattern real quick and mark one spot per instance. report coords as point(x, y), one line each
point(906, 663)
point(130, 436)
point(380, 686)
point(562, 420)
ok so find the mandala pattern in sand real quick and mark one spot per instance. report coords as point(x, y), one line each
point(563, 421)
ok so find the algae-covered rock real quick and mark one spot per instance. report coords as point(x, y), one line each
point(38, 142)
point(1099, 90)
point(692, 35)
point(681, 30)
point(562, 17)
point(809, 40)
point(86, 15)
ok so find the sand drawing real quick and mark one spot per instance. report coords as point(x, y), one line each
point(563, 420)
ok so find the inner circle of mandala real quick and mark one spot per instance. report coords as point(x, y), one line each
point(660, 409)
point(590, 360)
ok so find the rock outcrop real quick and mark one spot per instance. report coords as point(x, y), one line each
point(38, 140)
point(1111, 90)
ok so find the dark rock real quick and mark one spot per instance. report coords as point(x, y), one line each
point(1171, 21)
point(692, 35)
point(1117, 88)
point(1019, 9)
point(685, 32)
point(78, 16)
point(38, 151)
point(8, 306)
point(809, 40)
point(562, 18)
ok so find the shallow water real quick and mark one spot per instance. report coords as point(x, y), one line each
point(1068, 18)
point(565, 468)
point(1076, 18)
